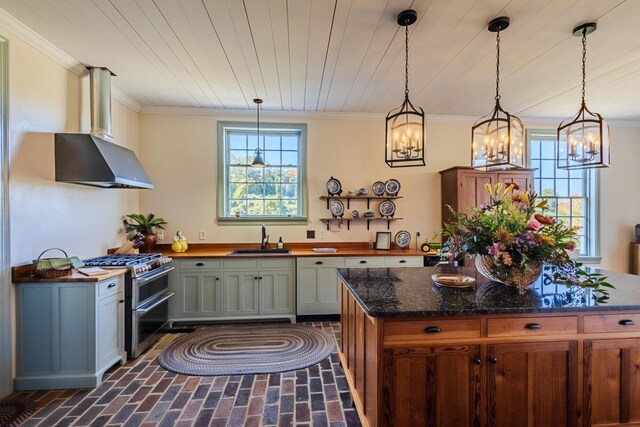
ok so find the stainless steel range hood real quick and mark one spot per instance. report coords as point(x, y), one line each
point(93, 159)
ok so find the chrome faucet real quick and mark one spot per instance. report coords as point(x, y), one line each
point(264, 243)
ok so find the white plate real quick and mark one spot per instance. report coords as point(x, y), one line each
point(453, 280)
point(378, 188)
point(402, 239)
point(387, 208)
point(392, 187)
point(336, 208)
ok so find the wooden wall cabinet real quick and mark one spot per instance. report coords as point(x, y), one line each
point(463, 187)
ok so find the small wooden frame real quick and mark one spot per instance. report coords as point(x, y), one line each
point(383, 240)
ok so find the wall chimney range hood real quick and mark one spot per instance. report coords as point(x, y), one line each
point(93, 159)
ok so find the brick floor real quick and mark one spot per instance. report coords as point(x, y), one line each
point(142, 393)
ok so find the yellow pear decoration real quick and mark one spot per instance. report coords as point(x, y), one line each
point(179, 243)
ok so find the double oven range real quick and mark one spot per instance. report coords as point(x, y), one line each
point(146, 295)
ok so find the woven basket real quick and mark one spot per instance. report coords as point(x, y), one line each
point(49, 272)
point(517, 277)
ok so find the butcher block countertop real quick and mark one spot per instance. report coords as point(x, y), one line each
point(22, 274)
point(297, 250)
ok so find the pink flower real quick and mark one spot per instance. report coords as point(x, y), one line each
point(533, 225)
point(571, 245)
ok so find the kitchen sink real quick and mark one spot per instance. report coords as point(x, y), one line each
point(260, 251)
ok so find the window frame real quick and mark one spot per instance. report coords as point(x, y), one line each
point(592, 189)
point(222, 199)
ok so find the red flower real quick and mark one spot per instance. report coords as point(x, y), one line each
point(545, 219)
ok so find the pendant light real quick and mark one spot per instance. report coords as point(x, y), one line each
point(497, 140)
point(258, 161)
point(404, 134)
point(583, 141)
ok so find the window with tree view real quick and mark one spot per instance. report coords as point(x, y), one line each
point(275, 191)
point(571, 194)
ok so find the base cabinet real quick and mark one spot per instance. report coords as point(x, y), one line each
point(612, 382)
point(68, 334)
point(555, 369)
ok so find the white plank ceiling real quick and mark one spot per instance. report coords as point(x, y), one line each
point(348, 55)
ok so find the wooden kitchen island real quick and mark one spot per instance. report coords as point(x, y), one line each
point(416, 354)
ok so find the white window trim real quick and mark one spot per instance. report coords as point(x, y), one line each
point(269, 220)
point(594, 199)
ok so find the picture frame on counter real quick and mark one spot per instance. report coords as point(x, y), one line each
point(383, 240)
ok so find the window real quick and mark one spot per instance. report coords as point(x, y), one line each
point(571, 194)
point(275, 193)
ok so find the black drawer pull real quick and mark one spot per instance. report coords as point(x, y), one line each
point(432, 329)
point(403, 261)
point(533, 326)
point(627, 322)
point(199, 264)
point(363, 262)
point(121, 301)
point(255, 277)
point(477, 361)
point(493, 360)
point(111, 285)
point(319, 262)
point(260, 277)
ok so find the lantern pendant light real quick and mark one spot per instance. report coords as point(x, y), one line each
point(258, 161)
point(404, 135)
point(497, 140)
point(583, 141)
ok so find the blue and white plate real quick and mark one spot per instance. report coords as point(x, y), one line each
point(392, 187)
point(378, 188)
point(402, 239)
point(336, 208)
point(387, 208)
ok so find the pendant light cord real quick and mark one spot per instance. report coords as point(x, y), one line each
point(406, 62)
point(258, 135)
point(584, 63)
point(498, 66)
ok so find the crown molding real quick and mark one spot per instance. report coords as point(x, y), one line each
point(123, 98)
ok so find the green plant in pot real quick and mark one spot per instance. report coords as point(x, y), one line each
point(145, 225)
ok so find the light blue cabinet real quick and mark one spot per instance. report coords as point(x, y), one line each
point(68, 334)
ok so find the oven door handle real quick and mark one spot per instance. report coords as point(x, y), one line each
point(148, 278)
point(145, 310)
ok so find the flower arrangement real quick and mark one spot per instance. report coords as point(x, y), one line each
point(512, 231)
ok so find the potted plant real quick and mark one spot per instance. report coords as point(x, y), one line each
point(145, 225)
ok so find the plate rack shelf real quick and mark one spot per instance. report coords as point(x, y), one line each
point(349, 219)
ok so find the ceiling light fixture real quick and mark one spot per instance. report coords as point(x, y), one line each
point(258, 161)
point(497, 140)
point(583, 142)
point(404, 135)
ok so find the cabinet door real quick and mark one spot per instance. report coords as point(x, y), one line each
point(435, 386)
point(109, 339)
point(240, 293)
point(524, 180)
point(318, 289)
point(199, 294)
point(532, 384)
point(471, 191)
point(276, 292)
point(612, 382)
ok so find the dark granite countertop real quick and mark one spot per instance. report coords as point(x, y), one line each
point(410, 292)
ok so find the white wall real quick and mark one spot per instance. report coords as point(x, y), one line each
point(84, 221)
point(181, 154)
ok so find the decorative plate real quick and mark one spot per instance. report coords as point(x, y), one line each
point(453, 280)
point(378, 188)
point(336, 208)
point(402, 239)
point(334, 187)
point(392, 187)
point(387, 208)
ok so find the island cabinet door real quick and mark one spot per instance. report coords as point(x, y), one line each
point(532, 384)
point(612, 382)
point(435, 386)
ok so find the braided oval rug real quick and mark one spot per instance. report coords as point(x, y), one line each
point(247, 349)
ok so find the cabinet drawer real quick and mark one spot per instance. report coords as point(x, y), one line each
point(200, 264)
point(111, 286)
point(364, 262)
point(277, 263)
point(403, 261)
point(522, 326)
point(329, 262)
point(240, 263)
point(611, 323)
point(433, 329)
